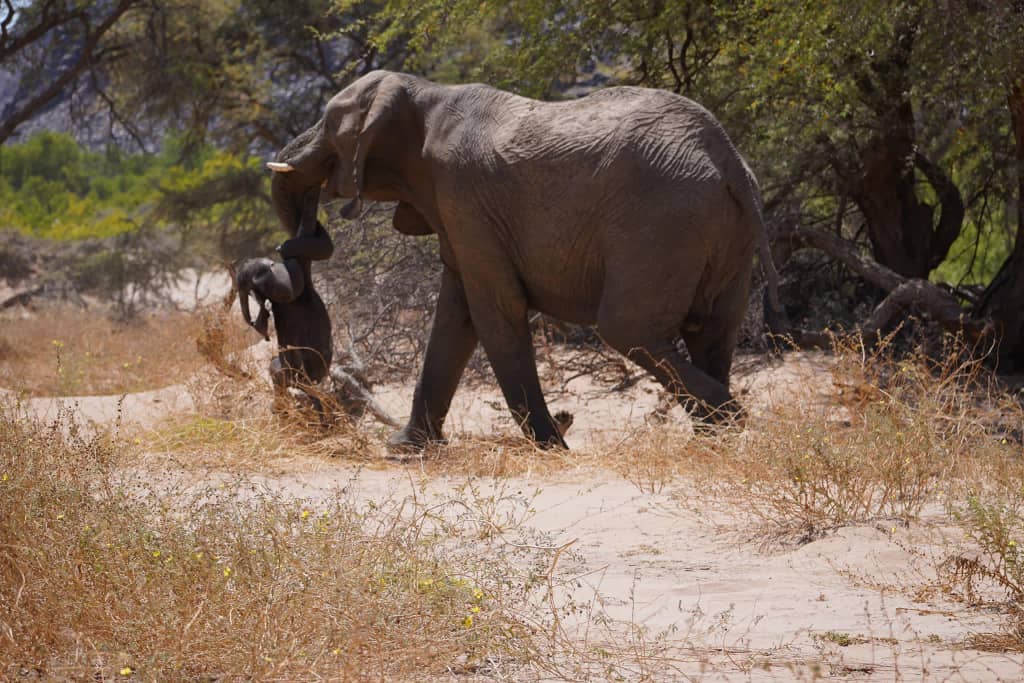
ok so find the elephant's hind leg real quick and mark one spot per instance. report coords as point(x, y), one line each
point(704, 396)
point(712, 344)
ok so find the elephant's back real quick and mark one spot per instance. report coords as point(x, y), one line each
point(637, 127)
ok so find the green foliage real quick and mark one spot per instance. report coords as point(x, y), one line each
point(811, 92)
point(977, 254)
point(53, 188)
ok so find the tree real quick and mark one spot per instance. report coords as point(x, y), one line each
point(51, 44)
point(245, 75)
point(882, 123)
point(1003, 299)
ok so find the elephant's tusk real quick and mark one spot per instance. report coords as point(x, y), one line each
point(279, 167)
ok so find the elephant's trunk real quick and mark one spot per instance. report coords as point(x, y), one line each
point(243, 303)
point(245, 287)
point(289, 194)
point(303, 165)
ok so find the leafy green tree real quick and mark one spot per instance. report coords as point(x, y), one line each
point(883, 122)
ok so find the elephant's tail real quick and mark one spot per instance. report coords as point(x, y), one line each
point(749, 197)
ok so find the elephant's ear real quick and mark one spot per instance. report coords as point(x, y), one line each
point(389, 101)
point(408, 221)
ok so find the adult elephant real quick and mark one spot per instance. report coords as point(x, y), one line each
point(629, 208)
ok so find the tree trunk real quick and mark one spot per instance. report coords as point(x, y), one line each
point(881, 177)
point(1003, 301)
point(904, 294)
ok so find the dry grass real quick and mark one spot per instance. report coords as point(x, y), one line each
point(905, 432)
point(71, 351)
point(108, 575)
point(103, 575)
point(200, 583)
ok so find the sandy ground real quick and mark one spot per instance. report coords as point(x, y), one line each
point(733, 606)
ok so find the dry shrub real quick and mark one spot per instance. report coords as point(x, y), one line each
point(911, 430)
point(504, 456)
point(102, 574)
point(218, 339)
point(380, 289)
point(993, 520)
point(235, 423)
point(648, 459)
point(67, 351)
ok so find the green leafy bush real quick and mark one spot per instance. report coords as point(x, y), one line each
point(53, 188)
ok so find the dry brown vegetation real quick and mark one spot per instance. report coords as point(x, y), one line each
point(903, 431)
point(174, 580)
point(102, 574)
point(73, 351)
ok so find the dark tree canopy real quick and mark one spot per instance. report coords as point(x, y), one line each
point(888, 135)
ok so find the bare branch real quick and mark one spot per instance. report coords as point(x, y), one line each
point(951, 216)
point(8, 18)
point(846, 253)
point(47, 22)
point(903, 294)
point(86, 58)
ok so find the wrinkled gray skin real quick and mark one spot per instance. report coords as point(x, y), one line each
point(629, 208)
point(300, 318)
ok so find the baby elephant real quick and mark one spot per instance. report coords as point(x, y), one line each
point(285, 290)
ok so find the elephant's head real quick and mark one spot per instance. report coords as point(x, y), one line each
point(370, 133)
point(248, 279)
point(267, 281)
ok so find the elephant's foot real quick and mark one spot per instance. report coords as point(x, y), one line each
point(410, 439)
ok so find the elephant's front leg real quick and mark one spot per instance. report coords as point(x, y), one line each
point(452, 340)
point(500, 315)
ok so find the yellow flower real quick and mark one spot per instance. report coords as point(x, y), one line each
point(336, 651)
point(478, 594)
point(60, 516)
point(227, 572)
point(126, 671)
point(156, 553)
point(4, 478)
point(199, 556)
point(305, 514)
point(474, 609)
point(468, 621)
point(1012, 544)
point(57, 344)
